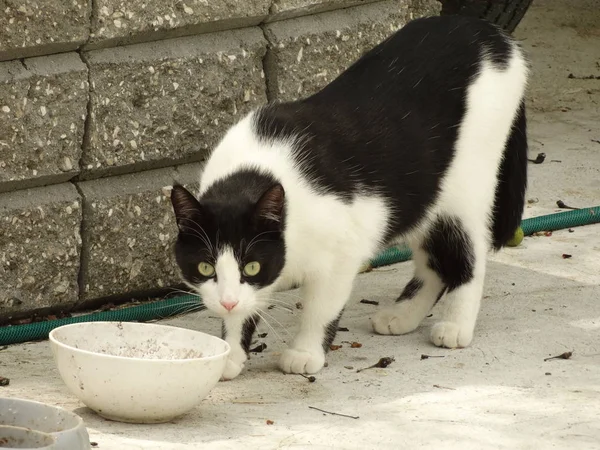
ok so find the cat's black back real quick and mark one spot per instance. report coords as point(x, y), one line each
point(389, 123)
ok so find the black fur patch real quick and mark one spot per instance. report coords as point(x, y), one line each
point(512, 184)
point(411, 289)
point(331, 331)
point(248, 331)
point(450, 252)
point(394, 113)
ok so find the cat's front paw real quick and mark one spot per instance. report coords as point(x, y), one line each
point(301, 361)
point(234, 365)
point(451, 335)
point(395, 320)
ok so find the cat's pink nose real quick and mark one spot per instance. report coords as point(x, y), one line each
point(228, 304)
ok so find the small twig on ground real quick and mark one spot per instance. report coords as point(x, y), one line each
point(309, 378)
point(584, 77)
point(259, 348)
point(343, 329)
point(556, 160)
point(369, 302)
point(540, 158)
point(382, 364)
point(251, 402)
point(562, 205)
point(431, 356)
point(333, 413)
point(565, 355)
point(597, 141)
point(566, 256)
point(443, 387)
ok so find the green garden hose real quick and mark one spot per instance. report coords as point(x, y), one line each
point(14, 334)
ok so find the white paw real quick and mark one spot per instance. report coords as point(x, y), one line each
point(234, 365)
point(301, 361)
point(395, 320)
point(451, 335)
point(231, 371)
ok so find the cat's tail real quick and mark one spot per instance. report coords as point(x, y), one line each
point(512, 183)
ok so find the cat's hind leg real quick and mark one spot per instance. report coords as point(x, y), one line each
point(458, 255)
point(416, 300)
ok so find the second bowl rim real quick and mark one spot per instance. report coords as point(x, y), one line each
point(56, 341)
point(77, 417)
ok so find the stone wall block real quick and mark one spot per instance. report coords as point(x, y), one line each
point(118, 22)
point(41, 27)
point(306, 53)
point(163, 103)
point(43, 104)
point(39, 248)
point(287, 9)
point(424, 8)
point(129, 232)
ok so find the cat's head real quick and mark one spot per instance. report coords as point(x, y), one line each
point(230, 247)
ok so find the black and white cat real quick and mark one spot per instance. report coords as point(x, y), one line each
point(423, 139)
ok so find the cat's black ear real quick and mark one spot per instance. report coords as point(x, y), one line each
point(270, 206)
point(187, 208)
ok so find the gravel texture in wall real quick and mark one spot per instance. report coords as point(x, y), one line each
point(39, 248)
point(158, 103)
point(43, 106)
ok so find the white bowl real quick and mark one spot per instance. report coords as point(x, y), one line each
point(67, 428)
point(136, 372)
point(24, 438)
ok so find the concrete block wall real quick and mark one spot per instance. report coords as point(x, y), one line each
point(104, 103)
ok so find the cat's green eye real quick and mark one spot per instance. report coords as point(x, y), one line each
point(206, 270)
point(251, 269)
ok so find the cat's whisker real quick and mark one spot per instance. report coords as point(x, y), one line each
point(258, 313)
point(277, 322)
point(180, 312)
point(276, 300)
point(291, 294)
point(183, 307)
point(198, 228)
point(280, 304)
point(182, 304)
point(195, 231)
point(252, 242)
point(181, 291)
point(285, 308)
